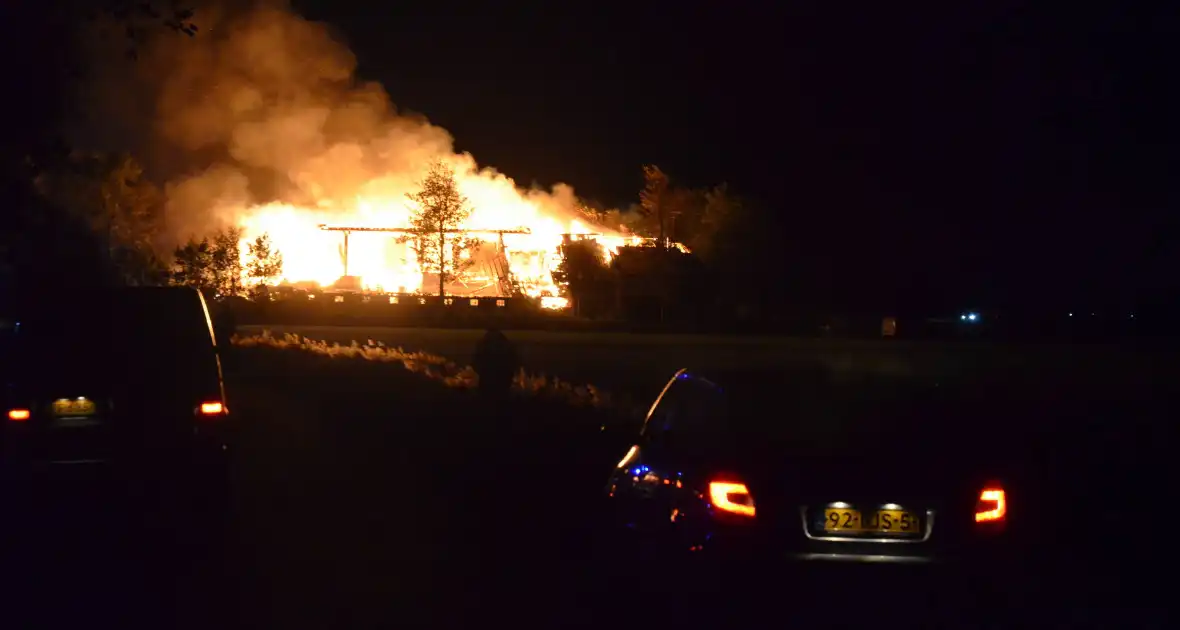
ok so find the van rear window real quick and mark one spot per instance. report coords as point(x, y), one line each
point(116, 324)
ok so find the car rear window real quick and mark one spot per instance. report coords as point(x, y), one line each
point(864, 414)
point(140, 331)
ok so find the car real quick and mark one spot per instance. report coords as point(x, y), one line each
point(126, 381)
point(809, 467)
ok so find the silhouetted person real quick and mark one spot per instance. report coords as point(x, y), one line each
point(496, 362)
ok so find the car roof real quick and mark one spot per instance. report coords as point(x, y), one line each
point(54, 298)
point(816, 379)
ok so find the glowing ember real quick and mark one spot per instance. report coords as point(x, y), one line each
point(555, 302)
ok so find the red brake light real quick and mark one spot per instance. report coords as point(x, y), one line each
point(213, 408)
point(992, 505)
point(731, 497)
point(18, 415)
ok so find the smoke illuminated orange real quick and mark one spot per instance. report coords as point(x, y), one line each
point(283, 136)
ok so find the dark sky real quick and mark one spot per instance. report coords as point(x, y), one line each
point(1004, 150)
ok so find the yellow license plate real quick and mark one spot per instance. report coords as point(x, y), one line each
point(846, 521)
point(74, 407)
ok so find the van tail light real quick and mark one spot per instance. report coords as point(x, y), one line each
point(992, 505)
point(731, 496)
point(212, 409)
point(19, 414)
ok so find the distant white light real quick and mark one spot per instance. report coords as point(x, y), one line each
point(1071, 314)
point(972, 317)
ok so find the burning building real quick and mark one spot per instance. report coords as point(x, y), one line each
point(372, 250)
point(279, 136)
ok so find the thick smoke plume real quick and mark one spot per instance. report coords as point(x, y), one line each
point(264, 105)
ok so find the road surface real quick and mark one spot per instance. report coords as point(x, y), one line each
point(367, 497)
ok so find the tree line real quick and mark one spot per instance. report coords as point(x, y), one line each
point(74, 217)
point(96, 219)
point(726, 235)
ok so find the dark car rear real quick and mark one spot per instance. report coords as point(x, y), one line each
point(127, 376)
point(810, 466)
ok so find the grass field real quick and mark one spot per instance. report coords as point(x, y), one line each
point(1085, 432)
point(638, 365)
point(342, 414)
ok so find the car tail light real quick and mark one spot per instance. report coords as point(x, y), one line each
point(18, 415)
point(211, 409)
point(992, 505)
point(731, 496)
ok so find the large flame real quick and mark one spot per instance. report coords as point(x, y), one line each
point(382, 263)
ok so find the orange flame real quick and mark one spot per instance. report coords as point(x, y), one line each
point(383, 264)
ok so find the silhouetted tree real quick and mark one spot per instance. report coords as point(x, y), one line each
point(582, 272)
point(264, 264)
point(264, 261)
point(137, 19)
point(42, 244)
point(720, 218)
point(51, 39)
point(437, 214)
point(652, 200)
point(122, 208)
point(227, 262)
point(683, 209)
point(212, 264)
point(192, 266)
point(668, 213)
point(739, 252)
